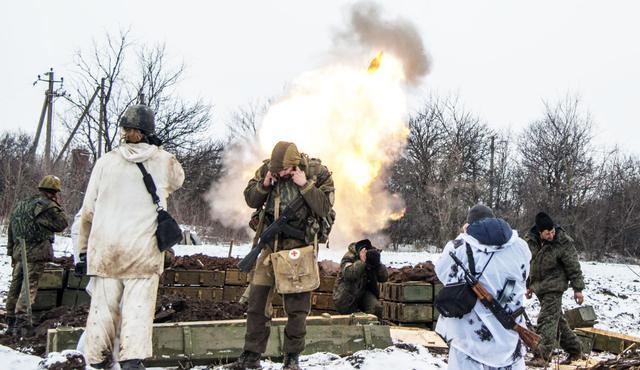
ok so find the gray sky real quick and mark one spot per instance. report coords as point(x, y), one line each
point(503, 58)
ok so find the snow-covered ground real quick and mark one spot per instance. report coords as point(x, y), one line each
point(613, 290)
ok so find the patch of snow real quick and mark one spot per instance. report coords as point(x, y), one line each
point(14, 360)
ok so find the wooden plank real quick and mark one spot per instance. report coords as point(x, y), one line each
point(326, 284)
point(46, 300)
point(608, 341)
point(214, 342)
point(236, 277)
point(52, 279)
point(205, 278)
point(212, 294)
point(232, 293)
point(75, 297)
point(581, 317)
point(408, 312)
point(322, 301)
point(421, 336)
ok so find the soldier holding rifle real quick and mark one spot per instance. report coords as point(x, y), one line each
point(488, 333)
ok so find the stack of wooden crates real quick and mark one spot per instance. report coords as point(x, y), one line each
point(60, 287)
point(410, 303)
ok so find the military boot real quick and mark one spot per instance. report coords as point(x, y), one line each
point(571, 357)
point(291, 362)
point(133, 364)
point(247, 360)
point(11, 326)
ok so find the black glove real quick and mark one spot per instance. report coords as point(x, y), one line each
point(81, 266)
point(373, 258)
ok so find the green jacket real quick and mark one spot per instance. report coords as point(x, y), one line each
point(318, 196)
point(554, 265)
point(354, 280)
point(35, 220)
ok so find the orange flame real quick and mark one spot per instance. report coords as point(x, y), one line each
point(375, 63)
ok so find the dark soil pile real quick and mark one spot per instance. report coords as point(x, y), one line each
point(424, 271)
point(175, 308)
point(203, 262)
point(168, 309)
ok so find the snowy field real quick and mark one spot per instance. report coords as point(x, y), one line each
point(611, 288)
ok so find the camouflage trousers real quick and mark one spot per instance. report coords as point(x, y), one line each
point(553, 327)
point(16, 304)
point(368, 303)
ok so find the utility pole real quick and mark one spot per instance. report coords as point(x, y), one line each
point(47, 109)
point(101, 119)
point(491, 169)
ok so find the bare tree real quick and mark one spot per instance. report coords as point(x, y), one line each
point(179, 123)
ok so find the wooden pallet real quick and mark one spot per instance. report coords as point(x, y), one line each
point(205, 278)
point(409, 292)
point(408, 312)
point(213, 294)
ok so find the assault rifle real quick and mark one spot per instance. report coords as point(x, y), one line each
point(278, 226)
point(529, 338)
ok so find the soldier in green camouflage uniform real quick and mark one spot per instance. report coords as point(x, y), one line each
point(277, 183)
point(554, 266)
point(34, 220)
point(356, 288)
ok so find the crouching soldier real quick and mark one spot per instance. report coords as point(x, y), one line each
point(34, 220)
point(554, 267)
point(356, 288)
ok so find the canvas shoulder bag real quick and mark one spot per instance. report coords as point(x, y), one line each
point(168, 232)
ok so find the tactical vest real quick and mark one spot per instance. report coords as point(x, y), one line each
point(287, 191)
point(23, 221)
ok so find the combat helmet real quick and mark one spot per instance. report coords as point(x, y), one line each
point(139, 116)
point(50, 183)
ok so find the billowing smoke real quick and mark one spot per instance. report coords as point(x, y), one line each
point(349, 113)
point(368, 30)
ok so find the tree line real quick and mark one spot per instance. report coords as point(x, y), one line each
point(452, 160)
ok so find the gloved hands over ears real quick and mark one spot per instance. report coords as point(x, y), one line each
point(373, 258)
point(81, 266)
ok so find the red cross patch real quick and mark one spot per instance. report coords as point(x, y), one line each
point(294, 254)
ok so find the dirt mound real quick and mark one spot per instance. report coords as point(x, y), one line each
point(203, 262)
point(175, 308)
point(328, 268)
point(423, 271)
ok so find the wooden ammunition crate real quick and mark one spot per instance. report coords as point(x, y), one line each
point(586, 340)
point(236, 277)
point(326, 284)
point(407, 313)
point(75, 282)
point(608, 341)
point(75, 297)
point(46, 300)
point(213, 342)
point(278, 311)
point(322, 301)
point(212, 294)
point(206, 278)
point(52, 279)
point(409, 292)
point(232, 293)
point(581, 317)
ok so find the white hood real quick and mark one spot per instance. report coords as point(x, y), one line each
point(139, 152)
